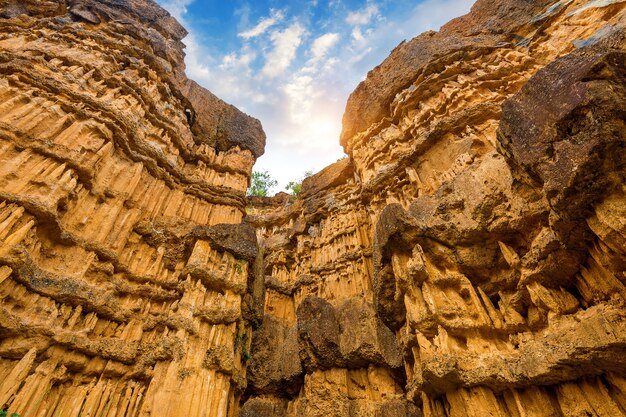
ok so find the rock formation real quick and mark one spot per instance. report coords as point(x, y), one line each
point(466, 259)
point(124, 263)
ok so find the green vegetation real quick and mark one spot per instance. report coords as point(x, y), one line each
point(262, 182)
point(295, 187)
point(241, 343)
point(4, 413)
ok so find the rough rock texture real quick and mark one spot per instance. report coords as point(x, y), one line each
point(124, 266)
point(468, 258)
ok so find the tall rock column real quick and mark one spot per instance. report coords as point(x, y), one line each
point(124, 266)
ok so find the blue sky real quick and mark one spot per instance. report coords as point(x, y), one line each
point(293, 64)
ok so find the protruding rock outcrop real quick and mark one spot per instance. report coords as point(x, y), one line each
point(124, 265)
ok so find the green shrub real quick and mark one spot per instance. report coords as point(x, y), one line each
point(262, 182)
point(295, 187)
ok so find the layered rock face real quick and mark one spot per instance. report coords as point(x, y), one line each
point(468, 258)
point(123, 260)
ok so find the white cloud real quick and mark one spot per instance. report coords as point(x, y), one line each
point(285, 45)
point(323, 44)
point(363, 16)
point(243, 13)
point(299, 93)
point(357, 35)
point(275, 17)
point(196, 62)
point(177, 8)
point(239, 61)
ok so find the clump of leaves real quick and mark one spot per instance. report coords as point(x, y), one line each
point(295, 187)
point(239, 266)
point(4, 413)
point(262, 182)
point(241, 342)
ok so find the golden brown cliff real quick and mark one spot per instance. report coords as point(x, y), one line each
point(468, 258)
point(123, 260)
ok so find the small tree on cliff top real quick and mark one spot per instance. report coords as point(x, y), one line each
point(295, 187)
point(262, 182)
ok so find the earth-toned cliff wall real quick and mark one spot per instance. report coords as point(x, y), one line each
point(123, 260)
point(468, 258)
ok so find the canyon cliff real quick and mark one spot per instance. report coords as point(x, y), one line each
point(466, 259)
point(124, 260)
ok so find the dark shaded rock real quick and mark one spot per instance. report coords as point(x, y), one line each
point(45, 8)
point(13, 9)
point(364, 338)
point(264, 407)
point(275, 366)
point(289, 289)
point(318, 331)
point(253, 306)
point(565, 130)
point(506, 17)
point(318, 190)
point(85, 14)
point(398, 408)
point(279, 286)
point(145, 11)
point(238, 239)
point(220, 124)
point(395, 228)
point(349, 335)
point(276, 243)
point(278, 200)
point(330, 177)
